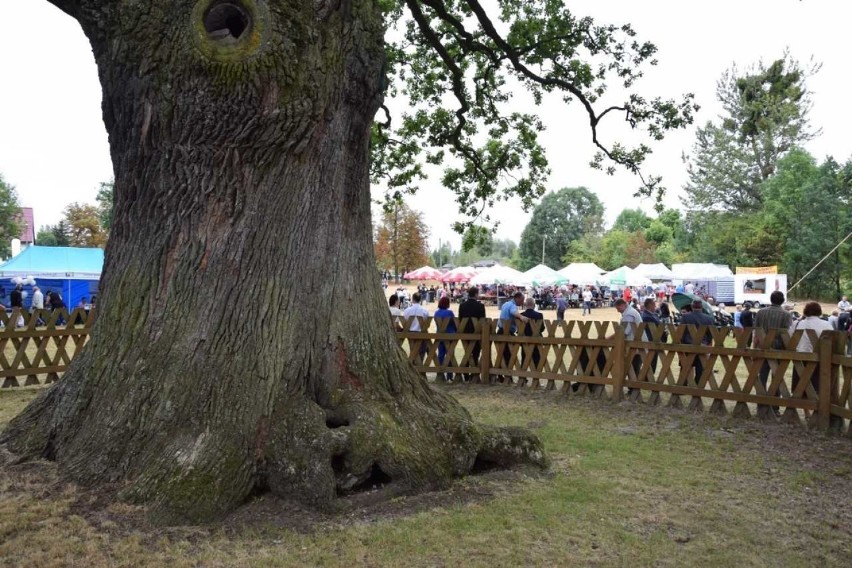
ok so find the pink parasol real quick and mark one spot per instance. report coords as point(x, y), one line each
point(460, 274)
point(423, 273)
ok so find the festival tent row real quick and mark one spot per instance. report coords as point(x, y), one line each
point(578, 273)
point(73, 272)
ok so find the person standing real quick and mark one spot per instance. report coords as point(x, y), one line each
point(561, 306)
point(834, 318)
point(395, 312)
point(843, 304)
point(472, 309)
point(630, 318)
point(665, 313)
point(38, 304)
point(737, 315)
point(416, 311)
point(773, 317)
point(697, 317)
point(529, 329)
point(587, 301)
point(747, 316)
point(649, 316)
point(16, 298)
point(444, 312)
point(38, 298)
point(810, 320)
point(844, 323)
point(56, 303)
point(508, 314)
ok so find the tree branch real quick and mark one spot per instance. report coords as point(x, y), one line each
point(514, 58)
point(457, 83)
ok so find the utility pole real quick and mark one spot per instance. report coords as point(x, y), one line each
point(543, 240)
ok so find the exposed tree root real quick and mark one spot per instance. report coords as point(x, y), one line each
point(301, 452)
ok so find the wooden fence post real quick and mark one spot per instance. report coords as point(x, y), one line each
point(485, 351)
point(618, 364)
point(826, 344)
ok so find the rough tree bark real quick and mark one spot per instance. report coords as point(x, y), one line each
point(242, 342)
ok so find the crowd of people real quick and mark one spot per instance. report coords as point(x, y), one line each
point(51, 301)
point(634, 309)
point(560, 298)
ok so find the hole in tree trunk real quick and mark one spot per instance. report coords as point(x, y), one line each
point(333, 421)
point(338, 463)
point(226, 21)
point(483, 466)
point(376, 480)
point(349, 484)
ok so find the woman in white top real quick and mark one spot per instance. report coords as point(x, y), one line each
point(810, 320)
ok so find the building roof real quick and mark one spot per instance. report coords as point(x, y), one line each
point(28, 230)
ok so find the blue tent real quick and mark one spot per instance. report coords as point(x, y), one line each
point(73, 272)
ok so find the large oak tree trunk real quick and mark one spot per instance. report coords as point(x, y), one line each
point(243, 342)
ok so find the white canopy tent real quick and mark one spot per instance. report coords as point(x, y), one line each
point(542, 275)
point(657, 271)
point(625, 276)
point(583, 273)
point(583, 267)
point(498, 274)
point(704, 271)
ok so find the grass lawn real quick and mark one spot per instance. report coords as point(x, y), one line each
point(631, 485)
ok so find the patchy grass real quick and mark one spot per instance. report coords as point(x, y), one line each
point(12, 401)
point(631, 485)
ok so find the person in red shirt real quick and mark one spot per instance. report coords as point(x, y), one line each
point(627, 295)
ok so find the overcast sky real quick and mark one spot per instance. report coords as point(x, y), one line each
point(53, 146)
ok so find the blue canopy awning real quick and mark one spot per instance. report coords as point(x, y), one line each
point(55, 262)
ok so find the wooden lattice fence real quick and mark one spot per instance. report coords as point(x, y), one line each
point(36, 348)
point(580, 357)
point(573, 357)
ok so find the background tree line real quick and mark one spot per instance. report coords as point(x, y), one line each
point(754, 196)
point(11, 222)
point(82, 224)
